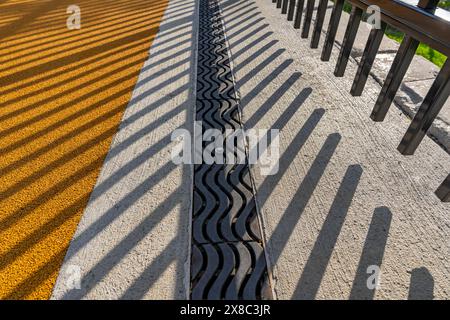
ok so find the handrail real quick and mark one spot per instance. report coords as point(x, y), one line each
point(422, 25)
point(419, 23)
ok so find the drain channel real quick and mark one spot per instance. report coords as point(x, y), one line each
point(228, 260)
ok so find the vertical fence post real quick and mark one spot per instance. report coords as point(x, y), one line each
point(398, 69)
point(308, 18)
point(290, 15)
point(349, 39)
point(400, 65)
point(370, 52)
point(298, 14)
point(428, 111)
point(332, 29)
point(321, 10)
point(284, 7)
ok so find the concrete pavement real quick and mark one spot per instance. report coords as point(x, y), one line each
point(344, 198)
point(92, 206)
point(133, 239)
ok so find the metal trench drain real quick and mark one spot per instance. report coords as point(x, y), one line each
point(228, 260)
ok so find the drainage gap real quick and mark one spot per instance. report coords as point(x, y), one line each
point(228, 260)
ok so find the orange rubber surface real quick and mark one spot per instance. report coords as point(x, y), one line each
point(62, 96)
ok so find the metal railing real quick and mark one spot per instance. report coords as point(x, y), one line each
point(418, 23)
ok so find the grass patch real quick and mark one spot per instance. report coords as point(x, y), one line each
point(445, 4)
point(423, 50)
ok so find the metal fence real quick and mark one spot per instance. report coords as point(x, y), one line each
point(418, 22)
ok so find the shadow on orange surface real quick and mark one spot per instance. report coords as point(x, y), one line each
point(63, 93)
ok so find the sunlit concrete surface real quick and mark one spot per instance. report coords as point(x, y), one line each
point(133, 240)
point(89, 195)
point(62, 96)
point(344, 199)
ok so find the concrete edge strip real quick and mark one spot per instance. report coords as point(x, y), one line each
point(60, 282)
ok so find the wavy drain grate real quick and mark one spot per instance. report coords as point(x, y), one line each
point(228, 260)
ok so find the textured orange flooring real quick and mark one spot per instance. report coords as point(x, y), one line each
point(62, 95)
